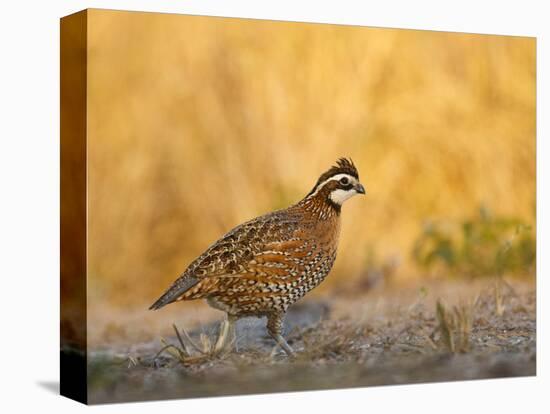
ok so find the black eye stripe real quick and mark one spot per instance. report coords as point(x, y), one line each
point(344, 180)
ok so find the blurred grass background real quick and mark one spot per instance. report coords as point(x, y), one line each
point(197, 124)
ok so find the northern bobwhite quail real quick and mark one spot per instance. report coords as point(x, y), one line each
point(263, 266)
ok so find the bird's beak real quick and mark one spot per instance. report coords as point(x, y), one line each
point(360, 189)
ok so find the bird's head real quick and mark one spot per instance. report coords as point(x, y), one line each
point(338, 184)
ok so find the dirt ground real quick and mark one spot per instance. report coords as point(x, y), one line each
point(441, 331)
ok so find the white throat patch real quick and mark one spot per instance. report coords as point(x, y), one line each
point(339, 196)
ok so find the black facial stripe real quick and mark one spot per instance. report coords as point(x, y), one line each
point(343, 166)
point(346, 187)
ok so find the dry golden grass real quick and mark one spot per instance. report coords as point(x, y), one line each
point(454, 327)
point(197, 124)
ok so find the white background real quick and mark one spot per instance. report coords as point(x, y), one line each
point(29, 206)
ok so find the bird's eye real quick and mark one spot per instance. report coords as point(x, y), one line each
point(344, 180)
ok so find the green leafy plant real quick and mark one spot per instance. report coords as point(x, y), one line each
point(480, 246)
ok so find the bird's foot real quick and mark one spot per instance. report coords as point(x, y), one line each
point(284, 345)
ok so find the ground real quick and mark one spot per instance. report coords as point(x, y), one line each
point(437, 331)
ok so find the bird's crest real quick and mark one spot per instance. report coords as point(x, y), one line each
point(343, 166)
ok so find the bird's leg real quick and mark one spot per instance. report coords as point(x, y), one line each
point(222, 336)
point(227, 329)
point(233, 330)
point(274, 328)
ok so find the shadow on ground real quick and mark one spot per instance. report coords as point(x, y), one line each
point(51, 386)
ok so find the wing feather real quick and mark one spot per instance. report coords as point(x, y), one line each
point(260, 248)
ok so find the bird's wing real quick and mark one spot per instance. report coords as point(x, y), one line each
point(259, 241)
point(253, 248)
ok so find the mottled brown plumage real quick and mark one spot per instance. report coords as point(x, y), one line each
point(263, 266)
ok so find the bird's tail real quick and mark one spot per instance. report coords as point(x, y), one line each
point(175, 292)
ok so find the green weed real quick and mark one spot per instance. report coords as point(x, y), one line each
point(484, 245)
